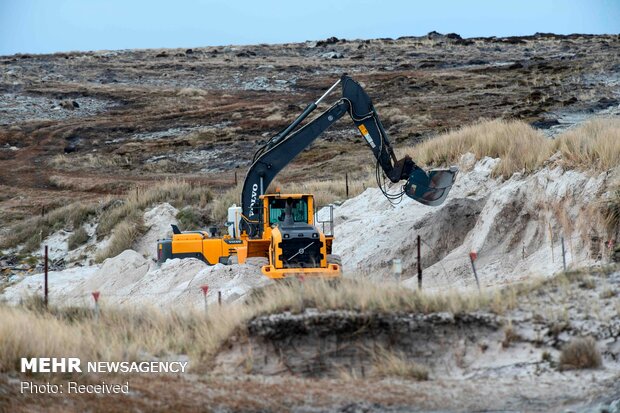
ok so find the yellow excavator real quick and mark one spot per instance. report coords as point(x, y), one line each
point(281, 231)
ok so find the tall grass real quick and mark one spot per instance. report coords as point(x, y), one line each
point(325, 192)
point(124, 219)
point(595, 145)
point(124, 235)
point(519, 146)
point(178, 193)
point(127, 333)
point(33, 231)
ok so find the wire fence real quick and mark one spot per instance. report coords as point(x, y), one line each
point(566, 253)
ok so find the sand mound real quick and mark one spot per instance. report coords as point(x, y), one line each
point(158, 221)
point(515, 226)
point(512, 224)
point(129, 278)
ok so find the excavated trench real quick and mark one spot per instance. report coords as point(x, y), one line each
point(332, 343)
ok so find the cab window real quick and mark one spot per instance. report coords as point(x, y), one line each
point(277, 208)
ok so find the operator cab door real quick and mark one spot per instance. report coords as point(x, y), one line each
point(299, 210)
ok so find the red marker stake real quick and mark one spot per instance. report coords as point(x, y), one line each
point(96, 297)
point(205, 290)
point(473, 256)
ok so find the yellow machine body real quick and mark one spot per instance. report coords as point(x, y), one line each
point(292, 249)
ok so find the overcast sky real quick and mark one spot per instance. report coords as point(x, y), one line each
point(43, 26)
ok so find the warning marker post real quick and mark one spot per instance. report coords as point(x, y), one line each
point(96, 297)
point(473, 256)
point(205, 291)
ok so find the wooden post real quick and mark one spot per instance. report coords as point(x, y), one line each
point(219, 298)
point(563, 253)
point(235, 178)
point(45, 270)
point(346, 183)
point(419, 264)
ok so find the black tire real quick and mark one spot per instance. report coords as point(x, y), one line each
point(233, 259)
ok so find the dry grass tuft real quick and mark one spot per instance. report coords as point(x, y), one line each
point(510, 336)
point(580, 353)
point(33, 231)
point(90, 161)
point(396, 364)
point(595, 144)
point(192, 92)
point(78, 238)
point(519, 146)
point(123, 236)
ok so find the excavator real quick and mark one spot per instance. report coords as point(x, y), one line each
point(281, 231)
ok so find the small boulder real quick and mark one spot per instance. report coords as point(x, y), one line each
point(332, 55)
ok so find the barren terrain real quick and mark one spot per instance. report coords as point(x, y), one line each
point(101, 151)
point(83, 125)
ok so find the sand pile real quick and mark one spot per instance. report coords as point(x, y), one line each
point(158, 221)
point(515, 226)
point(129, 278)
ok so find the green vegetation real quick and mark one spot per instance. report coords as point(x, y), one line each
point(190, 218)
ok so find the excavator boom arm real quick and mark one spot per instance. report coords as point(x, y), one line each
point(428, 188)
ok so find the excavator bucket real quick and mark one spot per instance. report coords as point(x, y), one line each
point(430, 188)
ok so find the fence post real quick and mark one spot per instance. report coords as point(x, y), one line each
point(96, 297)
point(346, 183)
point(45, 270)
point(472, 257)
point(563, 253)
point(205, 290)
point(235, 178)
point(419, 264)
point(219, 298)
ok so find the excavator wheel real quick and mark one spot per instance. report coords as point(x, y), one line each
point(233, 259)
point(334, 259)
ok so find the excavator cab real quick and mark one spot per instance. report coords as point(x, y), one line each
point(297, 246)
